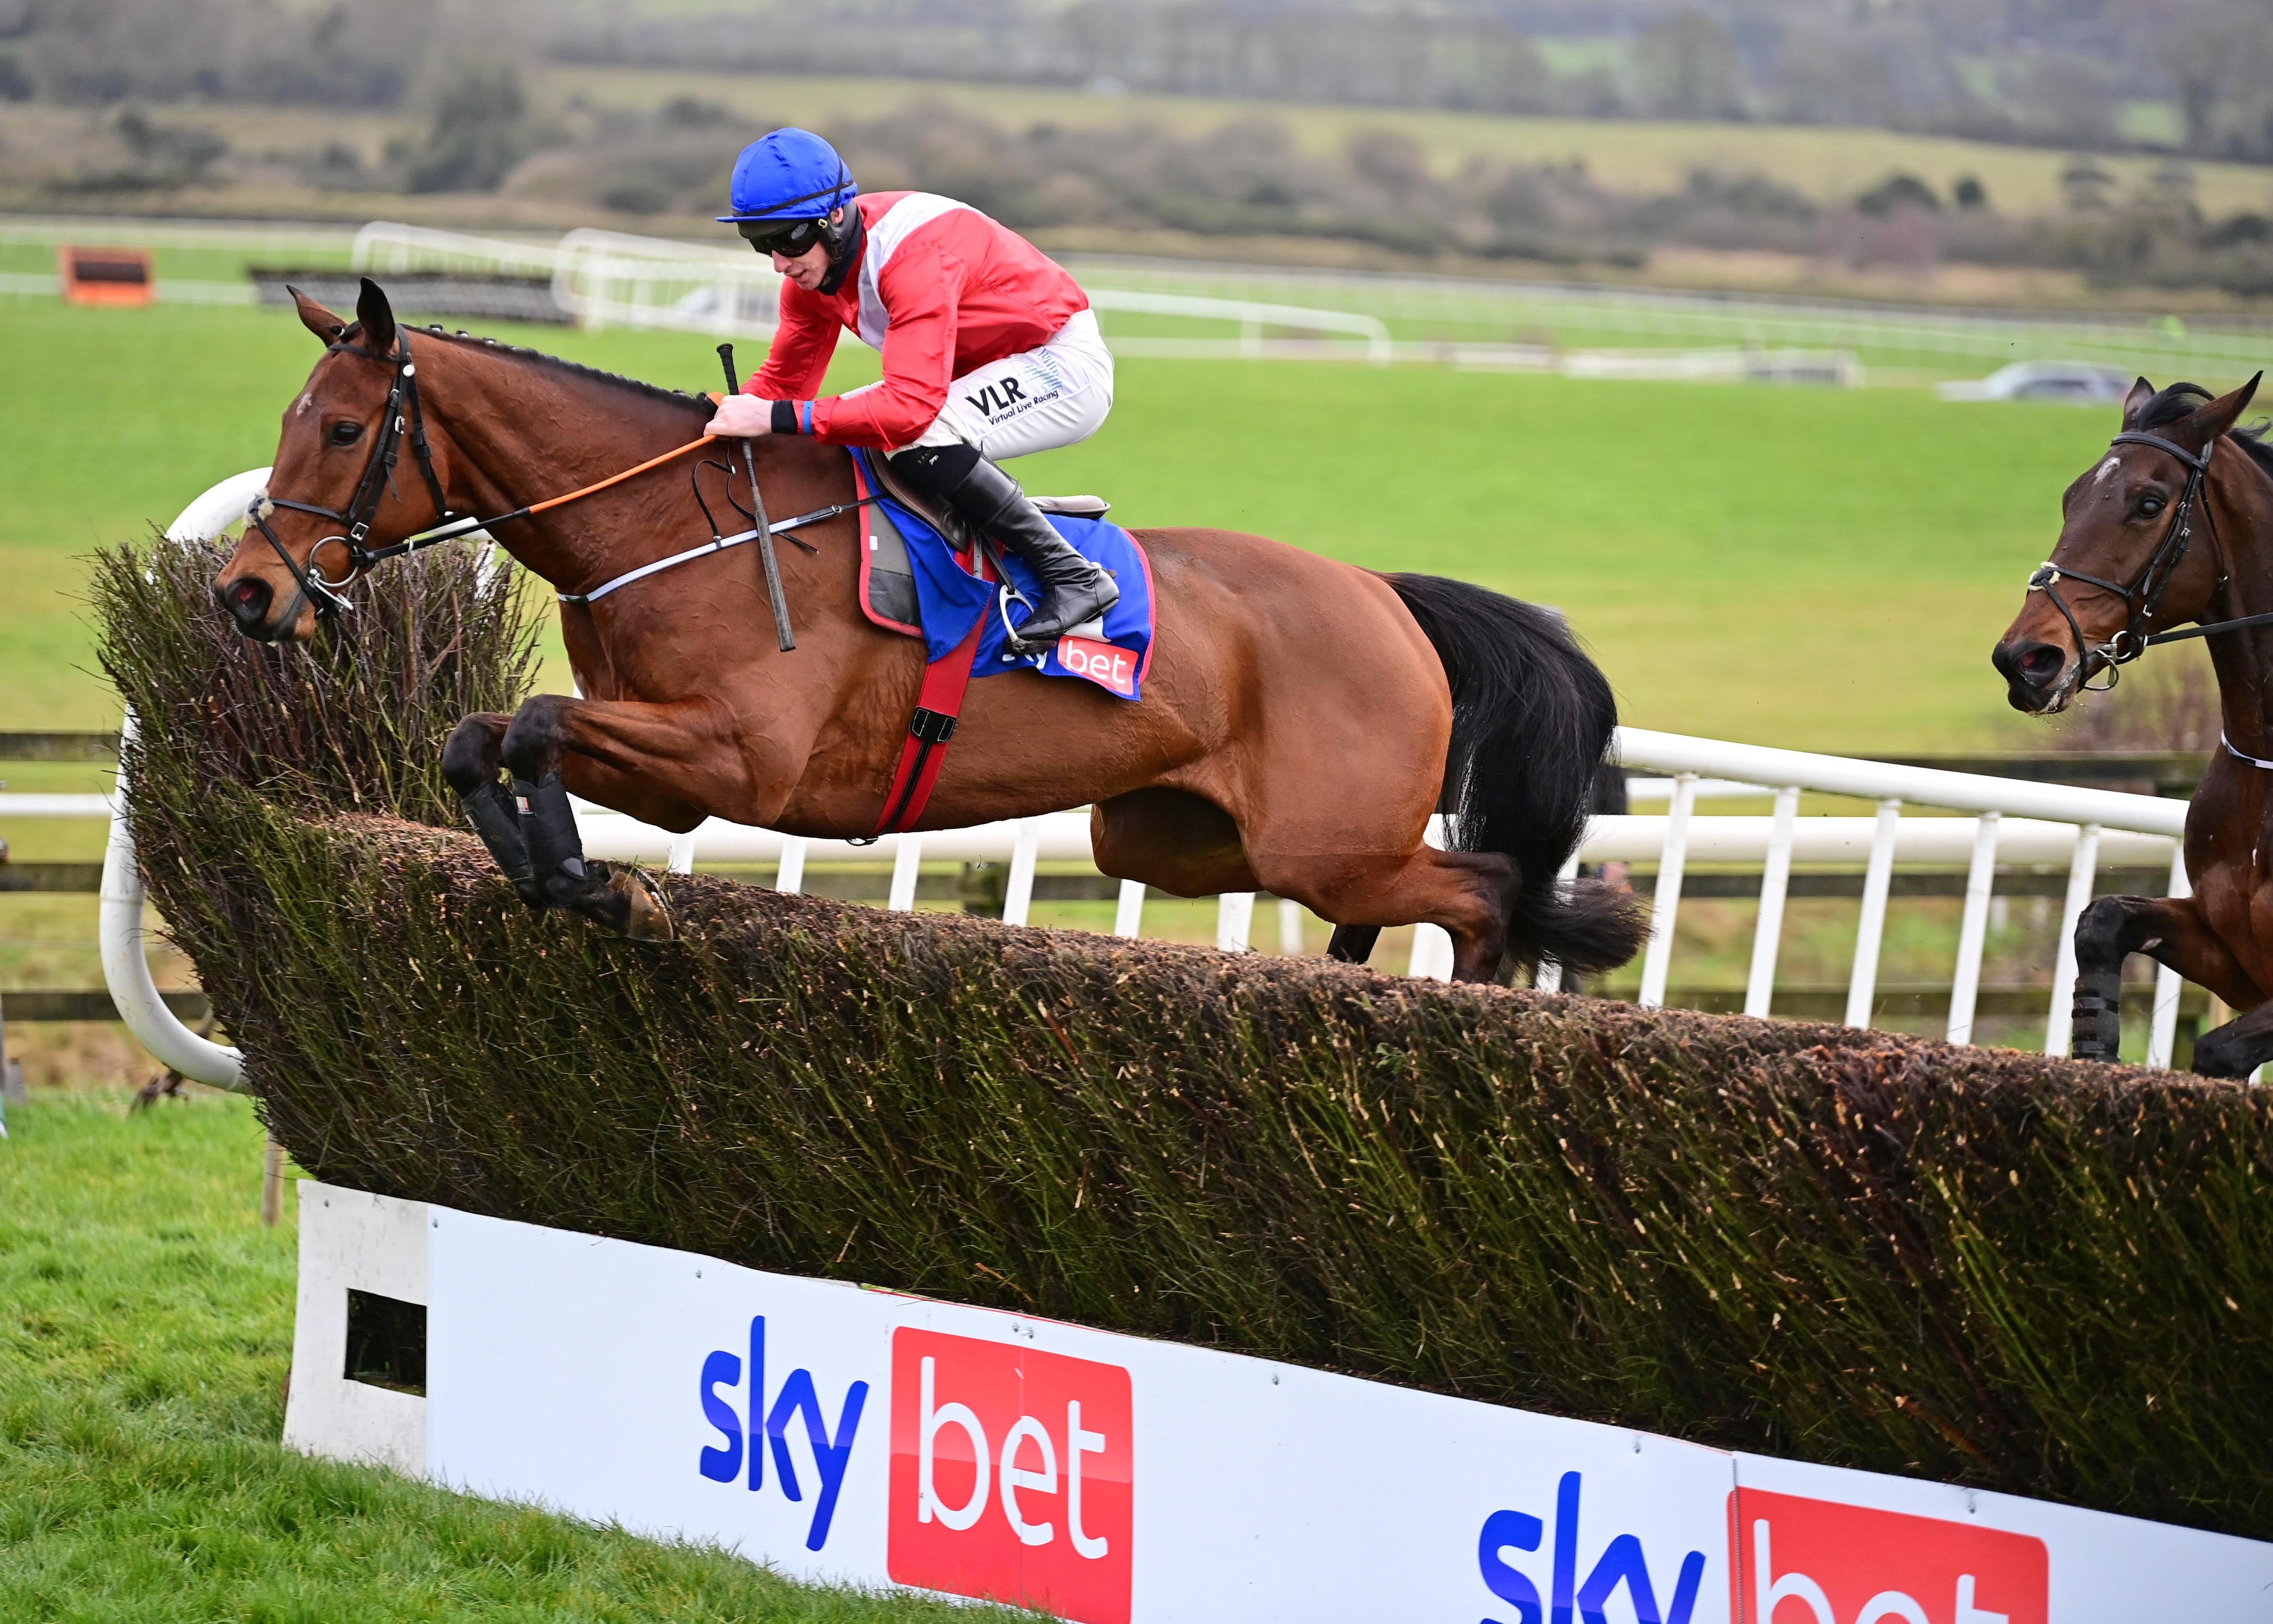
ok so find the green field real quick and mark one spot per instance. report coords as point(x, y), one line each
point(1813, 568)
point(143, 1354)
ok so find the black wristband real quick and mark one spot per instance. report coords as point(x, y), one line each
point(784, 417)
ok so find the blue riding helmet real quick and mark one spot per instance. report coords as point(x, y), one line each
point(789, 175)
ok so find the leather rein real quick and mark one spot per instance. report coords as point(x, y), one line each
point(404, 417)
point(2144, 595)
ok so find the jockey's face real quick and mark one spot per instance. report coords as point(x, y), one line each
point(808, 269)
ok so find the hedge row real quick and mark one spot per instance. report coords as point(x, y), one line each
point(2036, 1275)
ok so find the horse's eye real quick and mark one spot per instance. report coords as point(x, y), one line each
point(2151, 507)
point(345, 434)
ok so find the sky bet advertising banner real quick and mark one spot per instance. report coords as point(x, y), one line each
point(862, 1437)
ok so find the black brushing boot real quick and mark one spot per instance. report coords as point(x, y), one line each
point(556, 850)
point(2095, 1026)
point(990, 502)
point(491, 813)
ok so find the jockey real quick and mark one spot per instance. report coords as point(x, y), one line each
point(990, 350)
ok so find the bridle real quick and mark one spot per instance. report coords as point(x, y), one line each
point(2144, 595)
point(403, 416)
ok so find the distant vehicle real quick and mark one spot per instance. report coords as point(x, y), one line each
point(2078, 381)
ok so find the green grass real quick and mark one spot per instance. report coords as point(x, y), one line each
point(1804, 568)
point(146, 1324)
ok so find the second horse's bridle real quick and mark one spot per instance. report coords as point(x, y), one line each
point(2144, 595)
point(403, 416)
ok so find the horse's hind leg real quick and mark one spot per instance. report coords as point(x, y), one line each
point(470, 763)
point(1352, 944)
point(1469, 893)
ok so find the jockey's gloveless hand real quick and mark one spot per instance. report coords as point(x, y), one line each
point(742, 416)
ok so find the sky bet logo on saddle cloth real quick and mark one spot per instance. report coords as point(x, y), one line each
point(1012, 1476)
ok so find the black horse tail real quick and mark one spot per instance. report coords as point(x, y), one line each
point(1532, 716)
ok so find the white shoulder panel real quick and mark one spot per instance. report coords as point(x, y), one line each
point(889, 229)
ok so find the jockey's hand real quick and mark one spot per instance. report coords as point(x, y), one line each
point(742, 416)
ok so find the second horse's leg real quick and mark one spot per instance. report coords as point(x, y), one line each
point(2170, 930)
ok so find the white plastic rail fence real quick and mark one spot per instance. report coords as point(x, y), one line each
point(2010, 820)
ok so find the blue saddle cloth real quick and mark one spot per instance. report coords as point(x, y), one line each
point(950, 599)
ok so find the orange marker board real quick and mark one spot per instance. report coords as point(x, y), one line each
point(107, 275)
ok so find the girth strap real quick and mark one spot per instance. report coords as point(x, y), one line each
point(939, 706)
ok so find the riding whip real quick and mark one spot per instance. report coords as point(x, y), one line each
point(765, 531)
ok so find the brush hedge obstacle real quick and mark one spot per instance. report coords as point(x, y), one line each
point(2036, 1275)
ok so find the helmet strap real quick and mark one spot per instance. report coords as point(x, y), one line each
point(844, 247)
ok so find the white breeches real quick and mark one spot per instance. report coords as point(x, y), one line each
point(1056, 395)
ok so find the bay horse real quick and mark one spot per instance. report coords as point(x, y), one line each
point(2173, 528)
point(1301, 720)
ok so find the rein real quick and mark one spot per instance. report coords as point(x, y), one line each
point(2147, 587)
point(404, 415)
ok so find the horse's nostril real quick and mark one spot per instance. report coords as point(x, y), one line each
point(2040, 661)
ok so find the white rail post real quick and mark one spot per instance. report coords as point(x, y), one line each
point(682, 850)
point(1129, 916)
point(2080, 875)
point(1432, 953)
point(1870, 930)
point(2163, 1034)
point(1290, 927)
point(1235, 917)
point(789, 878)
point(1018, 890)
point(1973, 934)
point(1657, 962)
point(1775, 885)
point(905, 861)
point(1432, 944)
point(1549, 975)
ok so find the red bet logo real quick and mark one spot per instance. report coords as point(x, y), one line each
point(1012, 1476)
point(1816, 1561)
point(1101, 663)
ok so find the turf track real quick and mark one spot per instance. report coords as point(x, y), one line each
point(1795, 567)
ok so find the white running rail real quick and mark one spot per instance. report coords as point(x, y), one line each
point(2019, 819)
point(615, 279)
point(2012, 823)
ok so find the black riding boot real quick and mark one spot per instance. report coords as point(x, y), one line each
point(983, 496)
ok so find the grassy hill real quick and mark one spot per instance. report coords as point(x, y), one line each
point(1830, 164)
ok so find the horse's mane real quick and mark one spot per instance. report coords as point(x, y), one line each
point(2182, 400)
point(576, 369)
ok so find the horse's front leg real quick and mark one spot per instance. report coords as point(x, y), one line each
point(470, 761)
point(666, 762)
point(2172, 931)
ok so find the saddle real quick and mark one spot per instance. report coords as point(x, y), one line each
point(888, 581)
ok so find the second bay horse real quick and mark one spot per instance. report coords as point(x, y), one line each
point(2174, 527)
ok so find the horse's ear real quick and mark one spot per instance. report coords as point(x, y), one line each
point(315, 317)
point(2207, 423)
point(2136, 402)
point(377, 317)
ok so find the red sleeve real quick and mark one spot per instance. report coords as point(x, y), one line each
point(921, 288)
point(804, 340)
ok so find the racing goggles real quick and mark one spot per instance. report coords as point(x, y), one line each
point(792, 237)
